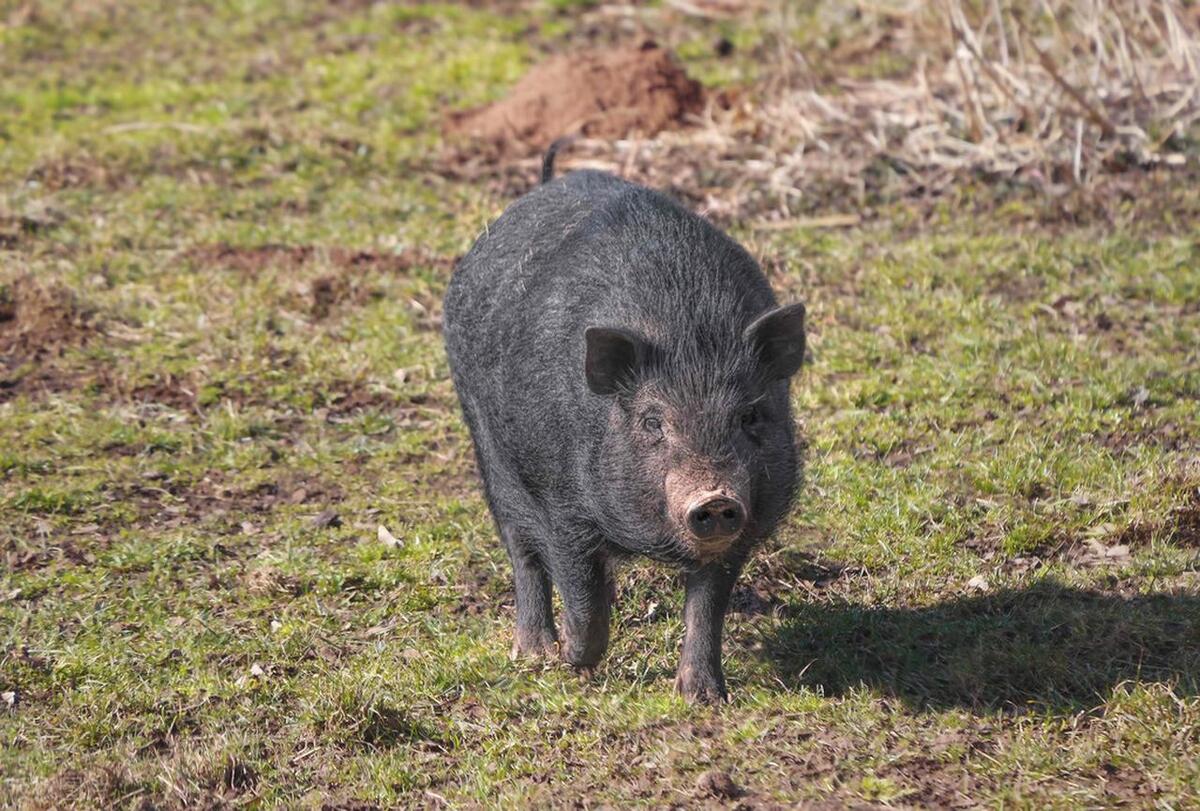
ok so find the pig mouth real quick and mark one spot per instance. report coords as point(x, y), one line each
point(690, 554)
point(703, 551)
point(707, 552)
point(677, 549)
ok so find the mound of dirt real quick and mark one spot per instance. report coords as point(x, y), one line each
point(39, 320)
point(599, 94)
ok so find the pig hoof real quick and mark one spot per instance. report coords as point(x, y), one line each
point(580, 658)
point(701, 689)
point(539, 644)
point(583, 654)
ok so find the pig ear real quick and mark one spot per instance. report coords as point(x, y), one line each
point(778, 336)
point(613, 358)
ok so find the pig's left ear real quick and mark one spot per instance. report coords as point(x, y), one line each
point(778, 336)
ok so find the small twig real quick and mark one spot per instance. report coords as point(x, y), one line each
point(828, 221)
point(976, 126)
point(1078, 149)
point(138, 126)
point(987, 66)
point(1091, 111)
point(998, 14)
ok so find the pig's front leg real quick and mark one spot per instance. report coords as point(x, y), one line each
point(586, 589)
point(700, 677)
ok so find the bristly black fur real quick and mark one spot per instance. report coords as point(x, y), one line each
point(575, 449)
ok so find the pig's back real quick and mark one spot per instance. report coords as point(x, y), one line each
point(590, 247)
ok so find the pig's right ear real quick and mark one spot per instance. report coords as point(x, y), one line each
point(613, 358)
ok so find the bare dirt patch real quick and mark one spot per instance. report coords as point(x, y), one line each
point(320, 296)
point(167, 391)
point(161, 503)
point(1181, 526)
point(79, 171)
point(346, 398)
point(937, 779)
point(776, 577)
point(294, 488)
point(600, 94)
point(41, 547)
point(157, 502)
point(38, 319)
point(355, 398)
point(255, 258)
point(1169, 436)
point(76, 788)
point(18, 227)
point(38, 323)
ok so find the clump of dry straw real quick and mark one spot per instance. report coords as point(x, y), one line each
point(1052, 94)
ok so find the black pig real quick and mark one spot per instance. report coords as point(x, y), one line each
point(623, 368)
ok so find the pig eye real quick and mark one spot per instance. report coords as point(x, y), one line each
point(749, 417)
point(652, 425)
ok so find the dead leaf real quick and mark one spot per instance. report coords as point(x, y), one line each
point(387, 538)
point(257, 672)
point(1097, 553)
point(1098, 531)
point(1022, 564)
point(436, 800)
point(325, 519)
point(9, 697)
point(978, 583)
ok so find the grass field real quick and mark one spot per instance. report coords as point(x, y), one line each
point(225, 230)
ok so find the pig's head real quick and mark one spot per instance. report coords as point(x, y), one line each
point(697, 453)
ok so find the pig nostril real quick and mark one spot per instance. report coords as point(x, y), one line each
point(702, 516)
point(730, 514)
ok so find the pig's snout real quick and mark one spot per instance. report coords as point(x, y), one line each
point(715, 517)
point(708, 510)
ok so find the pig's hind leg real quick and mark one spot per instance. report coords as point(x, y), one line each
point(584, 582)
point(535, 635)
point(508, 501)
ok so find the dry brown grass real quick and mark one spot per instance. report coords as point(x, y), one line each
point(1053, 95)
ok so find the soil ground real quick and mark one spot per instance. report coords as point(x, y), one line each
point(224, 234)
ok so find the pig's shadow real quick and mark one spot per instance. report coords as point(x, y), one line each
point(1049, 646)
